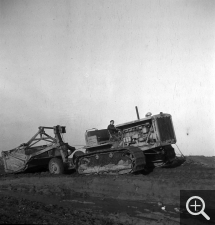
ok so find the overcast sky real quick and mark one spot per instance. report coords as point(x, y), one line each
point(82, 63)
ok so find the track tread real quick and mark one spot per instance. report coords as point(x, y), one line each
point(138, 162)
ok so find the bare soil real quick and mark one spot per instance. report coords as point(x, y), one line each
point(144, 198)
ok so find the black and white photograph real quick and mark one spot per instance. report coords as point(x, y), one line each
point(107, 112)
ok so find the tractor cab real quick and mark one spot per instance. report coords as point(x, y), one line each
point(97, 139)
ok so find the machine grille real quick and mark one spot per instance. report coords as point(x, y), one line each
point(165, 128)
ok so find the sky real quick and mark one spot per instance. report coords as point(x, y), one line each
point(80, 63)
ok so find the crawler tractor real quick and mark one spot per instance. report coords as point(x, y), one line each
point(140, 144)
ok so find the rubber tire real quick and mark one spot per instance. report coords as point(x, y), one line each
point(56, 166)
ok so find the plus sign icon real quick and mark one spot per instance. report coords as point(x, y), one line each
point(197, 207)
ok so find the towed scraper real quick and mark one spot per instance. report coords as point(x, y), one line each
point(53, 155)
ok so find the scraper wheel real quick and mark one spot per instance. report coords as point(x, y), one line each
point(56, 166)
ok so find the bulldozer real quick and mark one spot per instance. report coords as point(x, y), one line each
point(138, 145)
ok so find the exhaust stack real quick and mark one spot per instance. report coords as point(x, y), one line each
point(138, 117)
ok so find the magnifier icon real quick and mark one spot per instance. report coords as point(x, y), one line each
point(195, 206)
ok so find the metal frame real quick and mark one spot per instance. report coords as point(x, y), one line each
point(19, 153)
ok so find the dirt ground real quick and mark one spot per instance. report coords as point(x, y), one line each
point(153, 198)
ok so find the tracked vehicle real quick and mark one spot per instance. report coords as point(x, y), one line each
point(140, 144)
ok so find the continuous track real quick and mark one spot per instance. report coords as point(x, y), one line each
point(113, 161)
